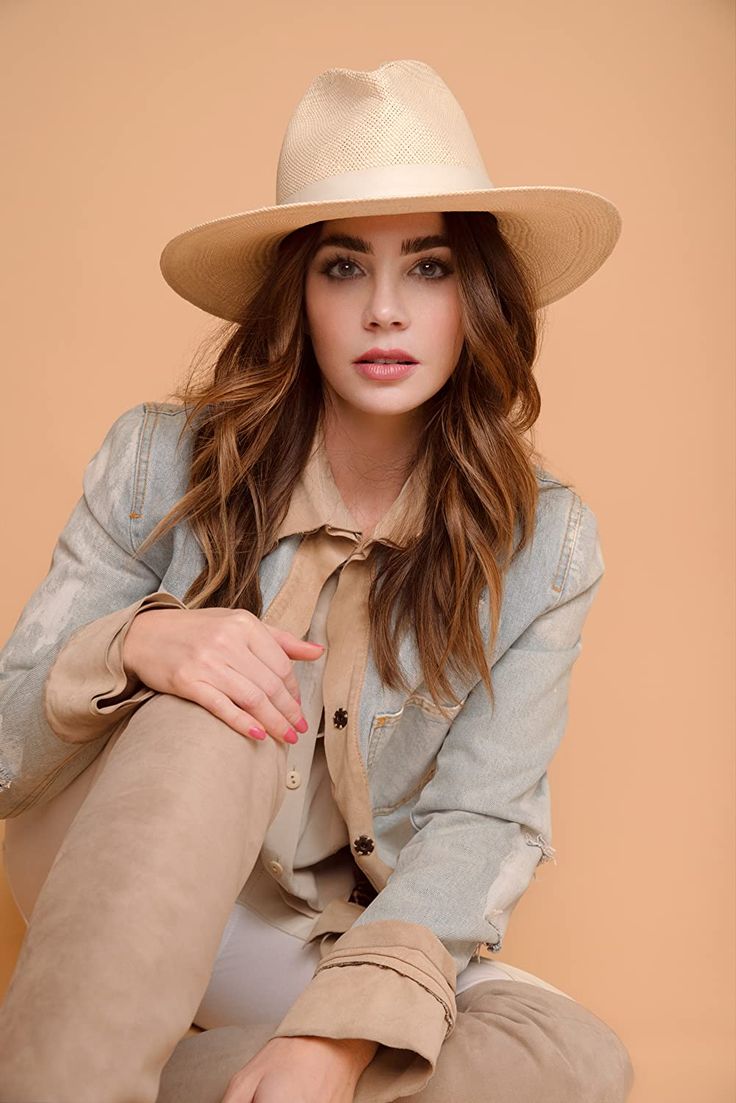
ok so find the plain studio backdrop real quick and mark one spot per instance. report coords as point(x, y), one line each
point(125, 123)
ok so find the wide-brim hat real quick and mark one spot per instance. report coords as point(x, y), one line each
point(390, 140)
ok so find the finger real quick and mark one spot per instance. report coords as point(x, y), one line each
point(241, 1088)
point(220, 705)
point(261, 691)
point(266, 647)
point(244, 708)
point(294, 647)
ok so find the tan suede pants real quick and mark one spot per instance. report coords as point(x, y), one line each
point(126, 880)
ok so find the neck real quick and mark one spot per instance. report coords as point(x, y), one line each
point(370, 457)
point(372, 450)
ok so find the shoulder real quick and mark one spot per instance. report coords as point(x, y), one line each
point(562, 564)
point(140, 470)
point(564, 555)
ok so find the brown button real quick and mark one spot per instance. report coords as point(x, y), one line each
point(363, 844)
point(340, 718)
point(276, 868)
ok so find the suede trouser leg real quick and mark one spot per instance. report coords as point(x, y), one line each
point(136, 871)
point(513, 1042)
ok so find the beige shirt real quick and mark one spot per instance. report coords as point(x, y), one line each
point(307, 849)
point(309, 836)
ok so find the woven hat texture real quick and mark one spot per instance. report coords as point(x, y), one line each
point(390, 140)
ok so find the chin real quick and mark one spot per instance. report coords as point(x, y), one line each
point(389, 404)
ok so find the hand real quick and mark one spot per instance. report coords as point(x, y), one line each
point(303, 1069)
point(226, 660)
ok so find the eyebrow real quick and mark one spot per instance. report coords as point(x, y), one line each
point(408, 246)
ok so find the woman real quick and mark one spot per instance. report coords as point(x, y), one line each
point(215, 819)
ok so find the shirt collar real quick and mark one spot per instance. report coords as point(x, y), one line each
point(316, 502)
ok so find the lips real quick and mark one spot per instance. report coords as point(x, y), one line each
point(399, 356)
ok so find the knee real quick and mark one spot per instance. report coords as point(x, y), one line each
point(182, 717)
point(543, 1045)
point(601, 1066)
point(627, 1067)
point(164, 708)
point(175, 732)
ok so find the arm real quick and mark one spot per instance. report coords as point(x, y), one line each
point(482, 826)
point(63, 688)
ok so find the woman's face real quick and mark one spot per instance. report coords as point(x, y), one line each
point(380, 282)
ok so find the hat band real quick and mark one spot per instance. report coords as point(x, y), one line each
point(387, 181)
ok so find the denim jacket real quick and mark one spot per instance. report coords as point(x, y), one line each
point(449, 815)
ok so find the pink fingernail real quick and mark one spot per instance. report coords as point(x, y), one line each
point(257, 733)
point(291, 736)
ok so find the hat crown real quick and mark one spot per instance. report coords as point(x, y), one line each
point(387, 141)
point(390, 130)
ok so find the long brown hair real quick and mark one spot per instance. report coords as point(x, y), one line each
point(256, 412)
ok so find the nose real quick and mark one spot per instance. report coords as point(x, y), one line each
point(384, 306)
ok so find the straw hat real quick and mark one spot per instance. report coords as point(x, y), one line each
point(387, 141)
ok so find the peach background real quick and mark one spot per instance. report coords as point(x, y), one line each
point(126, 123)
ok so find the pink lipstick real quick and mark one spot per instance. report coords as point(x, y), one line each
point(378, 363)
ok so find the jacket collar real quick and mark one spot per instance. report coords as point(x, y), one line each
point(316, 502)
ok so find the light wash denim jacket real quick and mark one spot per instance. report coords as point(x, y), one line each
point(459, 807)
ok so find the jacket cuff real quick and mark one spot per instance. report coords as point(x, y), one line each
point(389, 982)
point(87, 689)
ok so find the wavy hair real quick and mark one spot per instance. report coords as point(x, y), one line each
point(253, 416)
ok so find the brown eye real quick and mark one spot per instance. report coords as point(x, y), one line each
point(335, 263)
point(434, 262)
point(335, 268)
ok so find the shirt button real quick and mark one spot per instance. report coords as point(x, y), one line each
point(340, 718)
point(276, 868)
point(293, 779)
point(363, 844)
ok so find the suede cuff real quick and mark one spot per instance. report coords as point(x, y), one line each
point(87, 690)
point(390, 982)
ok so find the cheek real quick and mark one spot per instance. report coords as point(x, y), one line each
point(312, 304)
point(325, 318)
point(444, 316)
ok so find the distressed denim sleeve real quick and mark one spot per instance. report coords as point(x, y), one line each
point(482, 826)
point(55, 719)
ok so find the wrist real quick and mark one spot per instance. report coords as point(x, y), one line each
point(126, 653)
point(358, 1052)
point(361, 1050)
point(132, 639)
